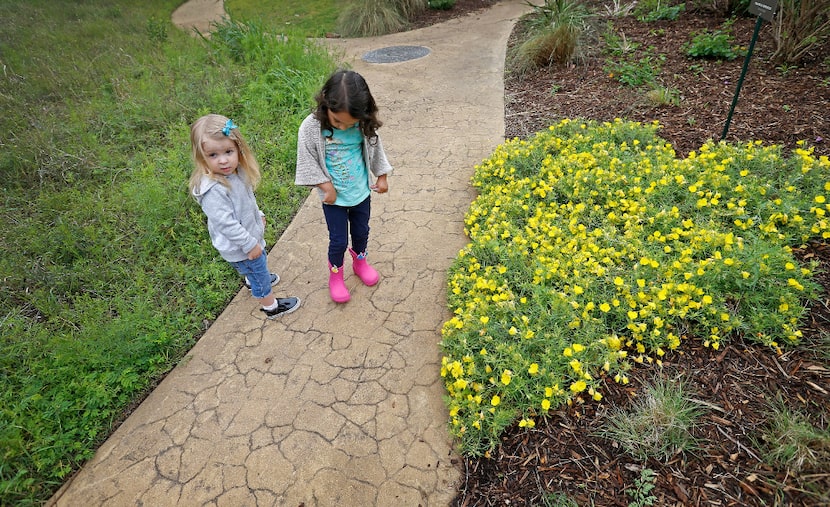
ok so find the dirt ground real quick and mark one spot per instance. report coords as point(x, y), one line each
point(777, 104)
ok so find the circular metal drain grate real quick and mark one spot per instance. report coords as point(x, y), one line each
point(393, 54)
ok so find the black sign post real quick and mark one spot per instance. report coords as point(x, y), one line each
point(765, 10)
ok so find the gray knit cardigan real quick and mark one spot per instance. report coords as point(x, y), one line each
point(311, 155)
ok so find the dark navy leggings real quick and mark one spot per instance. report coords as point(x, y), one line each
point(343, 221)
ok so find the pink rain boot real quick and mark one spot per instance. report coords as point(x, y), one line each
point(362, 269)
point(337, 288)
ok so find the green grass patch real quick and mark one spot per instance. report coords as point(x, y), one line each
point(592, 246)
point(312, 18)
point(107, 271)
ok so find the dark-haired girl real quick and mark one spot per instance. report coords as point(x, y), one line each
point(340, 153)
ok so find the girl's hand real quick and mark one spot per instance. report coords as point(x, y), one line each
point(381, 186)
point(255, 253)
point(329, 193)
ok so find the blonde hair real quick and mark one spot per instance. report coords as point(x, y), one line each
point(215, 126)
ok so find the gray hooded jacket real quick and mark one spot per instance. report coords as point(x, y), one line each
point(234, 220)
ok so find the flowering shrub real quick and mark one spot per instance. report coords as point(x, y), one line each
point(592, 246)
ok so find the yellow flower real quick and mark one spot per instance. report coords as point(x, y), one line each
point(578, 386)
point(527, 423)
point(506, 376)
point(546, 404)
point(534, 369)
point(495, 401)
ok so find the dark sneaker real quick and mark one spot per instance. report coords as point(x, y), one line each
point(284, 307)
point(275, 279)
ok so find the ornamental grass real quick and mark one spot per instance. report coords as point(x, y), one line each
point(593, 247)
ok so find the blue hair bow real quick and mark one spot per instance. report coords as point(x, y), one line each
point(228, 127)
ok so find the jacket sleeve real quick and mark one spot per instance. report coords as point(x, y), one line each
point(311, 164)
point(378, 163)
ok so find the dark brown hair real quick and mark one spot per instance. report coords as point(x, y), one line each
point(347, 91)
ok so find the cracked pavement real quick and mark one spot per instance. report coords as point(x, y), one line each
point(334, 405)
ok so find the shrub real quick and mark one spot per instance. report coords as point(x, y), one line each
point(801, 30)
point(366, 18)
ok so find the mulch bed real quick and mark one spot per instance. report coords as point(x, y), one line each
point(738, 383)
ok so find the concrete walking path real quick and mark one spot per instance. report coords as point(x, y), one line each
point(334, 405)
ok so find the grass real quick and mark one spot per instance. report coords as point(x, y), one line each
point(312, 18)
point(554, 33)
point(366, 18)
point(107, 271)
point(790, 442)
point(659, 424)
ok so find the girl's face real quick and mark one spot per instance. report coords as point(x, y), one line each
point(221, 155)
point(342, 120)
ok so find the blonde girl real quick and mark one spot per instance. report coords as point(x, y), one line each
point(223, 181)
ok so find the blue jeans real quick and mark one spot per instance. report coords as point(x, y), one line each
point(258, 274)
point(344, 221)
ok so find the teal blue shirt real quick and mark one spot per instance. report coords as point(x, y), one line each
point(345, 164)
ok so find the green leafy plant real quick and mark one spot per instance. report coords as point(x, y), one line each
point(441, 4)
point(641, 492)
point(636, 69)
point(715, 45)
point(558, 499)
point(662, 12)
